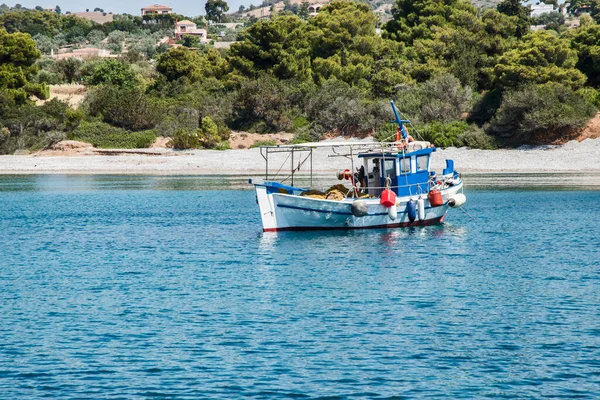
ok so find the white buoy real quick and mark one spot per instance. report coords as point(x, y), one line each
point(421, 209)
point(457, 200)
point(393, 212)
point(359, 208)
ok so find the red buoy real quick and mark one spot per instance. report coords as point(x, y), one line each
point(435, 198)
point(345, 174)
point(388, 198)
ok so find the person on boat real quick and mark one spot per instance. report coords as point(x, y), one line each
point(400, 133)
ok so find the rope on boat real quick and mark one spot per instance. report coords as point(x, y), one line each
point(412, 126)
point(282, 164)
point(294, 170)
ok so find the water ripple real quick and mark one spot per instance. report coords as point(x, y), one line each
point(135, 291)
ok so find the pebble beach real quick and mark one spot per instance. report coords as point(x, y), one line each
point(571, 157)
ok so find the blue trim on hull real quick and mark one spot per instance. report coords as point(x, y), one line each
point(336, 212)
point(314, 209)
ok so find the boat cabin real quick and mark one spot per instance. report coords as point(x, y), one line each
point(408, 172)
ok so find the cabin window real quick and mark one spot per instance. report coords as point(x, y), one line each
point(422, 162)
point(375, 171)
point(373, 176)
point(404, 165)
point(390, 168)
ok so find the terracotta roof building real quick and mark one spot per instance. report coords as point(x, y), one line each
point(156, 9)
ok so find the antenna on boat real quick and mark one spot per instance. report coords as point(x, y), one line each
point(400, 121)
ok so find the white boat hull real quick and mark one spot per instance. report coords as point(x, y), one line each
point(281, 212)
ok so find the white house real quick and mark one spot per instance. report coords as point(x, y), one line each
point(186, 27)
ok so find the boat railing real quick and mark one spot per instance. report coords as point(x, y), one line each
point(393, 147)
point(301, 154)
point(418, 189)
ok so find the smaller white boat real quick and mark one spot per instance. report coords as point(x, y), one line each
point(392, 186)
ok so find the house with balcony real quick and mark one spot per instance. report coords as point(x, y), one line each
point(186, 27)
point(156, 9)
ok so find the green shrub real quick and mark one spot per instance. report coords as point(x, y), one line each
point(443, 134)
point(591, 95)
point(113, 72)
point(68, 68)
point(87, 69)
point(485, 107)
point(35, 127)
point(191, 41)
point(185, 139)
point(48, 77)
point(386, 133)
point(106, 136)
point(260, 127)
point(456, 134)
point(223, 131)
point(540, 113)
point(337, 106)
point(442, 98)
point(261, 105)
point(476, 138)
point(210, 136)
point(302, 137)
point(206, 99)
point(128, 107)
point(300, 123)
point(224, 145)
point(263, 143)
point(44, 140)
point(53, 137)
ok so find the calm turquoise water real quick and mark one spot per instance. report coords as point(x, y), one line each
point(116, 287)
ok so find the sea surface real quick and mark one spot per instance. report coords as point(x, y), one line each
point(165, 287)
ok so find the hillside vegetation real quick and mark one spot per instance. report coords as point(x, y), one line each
point(465, 77)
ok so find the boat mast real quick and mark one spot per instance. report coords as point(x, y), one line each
point(400, 121)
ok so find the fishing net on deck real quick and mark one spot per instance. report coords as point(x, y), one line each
point(336, 192)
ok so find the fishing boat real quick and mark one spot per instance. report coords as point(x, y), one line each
point(386, 185)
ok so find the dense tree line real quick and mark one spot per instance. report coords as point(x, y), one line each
point(464, 76)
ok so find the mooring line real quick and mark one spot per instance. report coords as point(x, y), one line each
point(470, 216)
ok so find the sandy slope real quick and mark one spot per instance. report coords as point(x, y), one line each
point(71, 93)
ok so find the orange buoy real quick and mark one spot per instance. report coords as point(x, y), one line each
point(435, 198)
point(388, 198)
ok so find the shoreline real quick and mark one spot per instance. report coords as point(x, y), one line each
point(473, 181)
point(572, 157)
